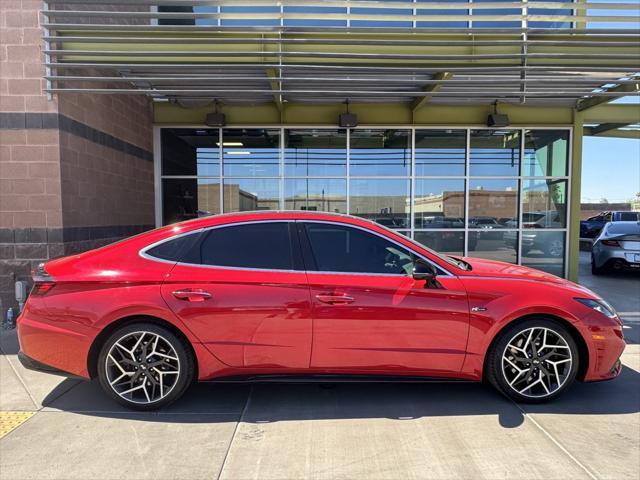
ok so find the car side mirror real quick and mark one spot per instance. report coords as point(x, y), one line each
point(424, 271)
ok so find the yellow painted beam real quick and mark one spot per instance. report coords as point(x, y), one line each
point(574, 200)
point(275, 85)
point(368, 114)
point(613, 113)
point(633, 134)
point(421, 101)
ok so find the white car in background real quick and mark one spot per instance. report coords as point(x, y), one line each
point(535, 237)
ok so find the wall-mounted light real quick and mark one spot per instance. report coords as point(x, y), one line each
point(216, 119)
point(497, 120)
point(348, 120)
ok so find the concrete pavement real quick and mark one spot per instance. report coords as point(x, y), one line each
point(447, 430)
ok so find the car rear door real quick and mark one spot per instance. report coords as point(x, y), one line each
point(370, 315)
point(243, 292)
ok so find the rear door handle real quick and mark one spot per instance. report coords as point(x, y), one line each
point(334, 298)
point(192, 294)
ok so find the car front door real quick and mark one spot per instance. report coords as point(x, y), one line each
point(370, 315)
point(243, 292)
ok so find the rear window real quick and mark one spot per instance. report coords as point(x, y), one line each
point(173, 250)
point(624, 229)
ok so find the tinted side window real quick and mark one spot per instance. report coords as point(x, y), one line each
point(629, 216)
point(174, 249)
point(252, 245)
point(338, 248)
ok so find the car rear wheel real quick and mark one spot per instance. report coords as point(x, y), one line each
point(145, 366)
point(533, 361)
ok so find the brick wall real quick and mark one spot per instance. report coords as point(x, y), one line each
point(76, 170)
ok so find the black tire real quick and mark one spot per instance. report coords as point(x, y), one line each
point(494, 372)
point(596, 270)
point(185, 362)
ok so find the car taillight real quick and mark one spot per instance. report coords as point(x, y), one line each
point(42, 281)
point(611, 243)
point(41, 288)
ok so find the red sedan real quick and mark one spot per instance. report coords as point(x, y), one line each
point(275, 294)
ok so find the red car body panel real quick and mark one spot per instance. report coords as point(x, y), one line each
point(255, 319)
point(261, 322)
point(393, 324)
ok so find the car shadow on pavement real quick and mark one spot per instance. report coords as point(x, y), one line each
point(277, 402)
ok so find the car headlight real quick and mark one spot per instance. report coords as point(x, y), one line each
point(600, 306)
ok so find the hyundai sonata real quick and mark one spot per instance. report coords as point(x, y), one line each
point(278, 294)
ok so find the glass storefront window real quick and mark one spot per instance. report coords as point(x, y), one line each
point(449, 243)
point(493, 204)
point(544, 204)
point(380, 153)
point(316, 194)
point(546, 153)
point(251, 152)
point(503, 200)
point(501, 245)
point(495, 153)
point(385, 201)
point(440, 152)
point(245, 194)
point(544, 251)
point(187, 198)
point(439, 203)
point(315, 153)
point(187, 151)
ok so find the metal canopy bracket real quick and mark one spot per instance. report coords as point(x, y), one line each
point(439, 78)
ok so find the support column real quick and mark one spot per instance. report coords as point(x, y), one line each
point(575, 176)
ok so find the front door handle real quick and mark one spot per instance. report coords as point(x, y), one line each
point(191, 294)
point(334, 298)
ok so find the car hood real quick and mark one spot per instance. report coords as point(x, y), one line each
point(493, 268)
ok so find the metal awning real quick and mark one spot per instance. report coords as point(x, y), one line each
point(201, 53)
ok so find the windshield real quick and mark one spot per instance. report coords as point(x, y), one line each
point(532, 217)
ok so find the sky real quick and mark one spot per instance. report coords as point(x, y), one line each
point(610, 169)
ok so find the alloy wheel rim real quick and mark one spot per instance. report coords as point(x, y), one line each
point(537, 362)
point(142, 367)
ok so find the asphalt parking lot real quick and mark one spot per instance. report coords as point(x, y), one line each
point(69, 430)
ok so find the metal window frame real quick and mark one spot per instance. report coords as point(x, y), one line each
point(411, 178)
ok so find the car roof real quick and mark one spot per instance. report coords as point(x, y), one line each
point(622, 227)
point(257, 215)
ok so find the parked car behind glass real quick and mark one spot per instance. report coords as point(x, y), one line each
point(591, 227)
point(616, 248)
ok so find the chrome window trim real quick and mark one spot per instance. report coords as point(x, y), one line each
point(142, 253)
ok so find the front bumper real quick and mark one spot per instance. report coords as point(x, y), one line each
point(606, 347)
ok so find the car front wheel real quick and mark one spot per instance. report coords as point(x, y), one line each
point(145, 366)
point(533, 361)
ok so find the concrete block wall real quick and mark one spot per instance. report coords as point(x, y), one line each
point(76, 171)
